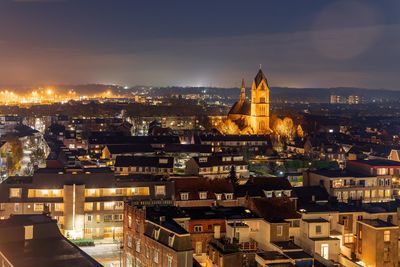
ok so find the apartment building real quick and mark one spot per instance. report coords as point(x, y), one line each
point(194, 191)
point(253, 144)
point(85, 204)
point(125, 165)
point(349, 185)
point(215, 167)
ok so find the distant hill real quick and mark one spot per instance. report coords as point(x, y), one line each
point(278, 94)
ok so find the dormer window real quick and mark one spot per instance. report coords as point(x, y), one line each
point(278, 193)
point(229, 196)
point(156, 233)
point(203, 195)
point(171, 239)
point(268, 194)
point(288, 193)
point(218, 196)
point(185, 196)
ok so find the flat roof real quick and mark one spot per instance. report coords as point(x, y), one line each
point(297, 255)
point(272, 255)
point(317, 220)
point(287, 245)
point(377, 223)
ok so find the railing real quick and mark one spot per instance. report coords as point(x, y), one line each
point(226, 245)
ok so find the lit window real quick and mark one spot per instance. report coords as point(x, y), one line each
point(203, 195)
point(184, 196)
point(386, 236)
point(91, 192)
point(218, 196)
point(45, 192)
point(160, 190)
point(88, 206)
point(38, 207)
point(109, 205)
point(58, 206)
point(198, 228)
point(129, 221)
point(15, 192)
point(229, 196)
point(119, 205)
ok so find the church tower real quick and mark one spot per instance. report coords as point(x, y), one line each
point(259, 118)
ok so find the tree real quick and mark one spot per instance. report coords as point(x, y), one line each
point(232, 176)
point(299, 131)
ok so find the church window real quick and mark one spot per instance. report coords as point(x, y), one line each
point(262, 99)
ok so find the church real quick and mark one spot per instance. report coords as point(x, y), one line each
point(252, 117)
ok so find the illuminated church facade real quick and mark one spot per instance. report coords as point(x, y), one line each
point(252, 117)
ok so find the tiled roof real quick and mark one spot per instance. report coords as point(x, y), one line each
point(143, 161)
point(194, 185)
point(255, 186)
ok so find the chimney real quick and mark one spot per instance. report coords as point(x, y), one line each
point(162, 219)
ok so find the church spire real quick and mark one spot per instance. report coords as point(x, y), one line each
point(242, 92)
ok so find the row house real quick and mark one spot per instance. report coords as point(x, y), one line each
point(97, 141)
point(85, 204)
point(180, 152)
point(264, 187)
point(200, 191)
point(348, 185)
point(125, 165)
point(251, 144)
point(153, 237)
point(214, 167)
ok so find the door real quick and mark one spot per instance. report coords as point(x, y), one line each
point(325, 251)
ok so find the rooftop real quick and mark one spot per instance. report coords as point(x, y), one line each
point(377, 223)
point(319, 220)
point(377, 162)
point(47, 247)
point(341, 174)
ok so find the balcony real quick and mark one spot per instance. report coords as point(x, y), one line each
point(227, 246)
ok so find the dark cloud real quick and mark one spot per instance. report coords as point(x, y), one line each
point(208, 43)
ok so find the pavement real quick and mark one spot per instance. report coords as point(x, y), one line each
point(106, 253)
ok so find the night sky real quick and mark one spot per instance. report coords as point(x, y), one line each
point(303, 43)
